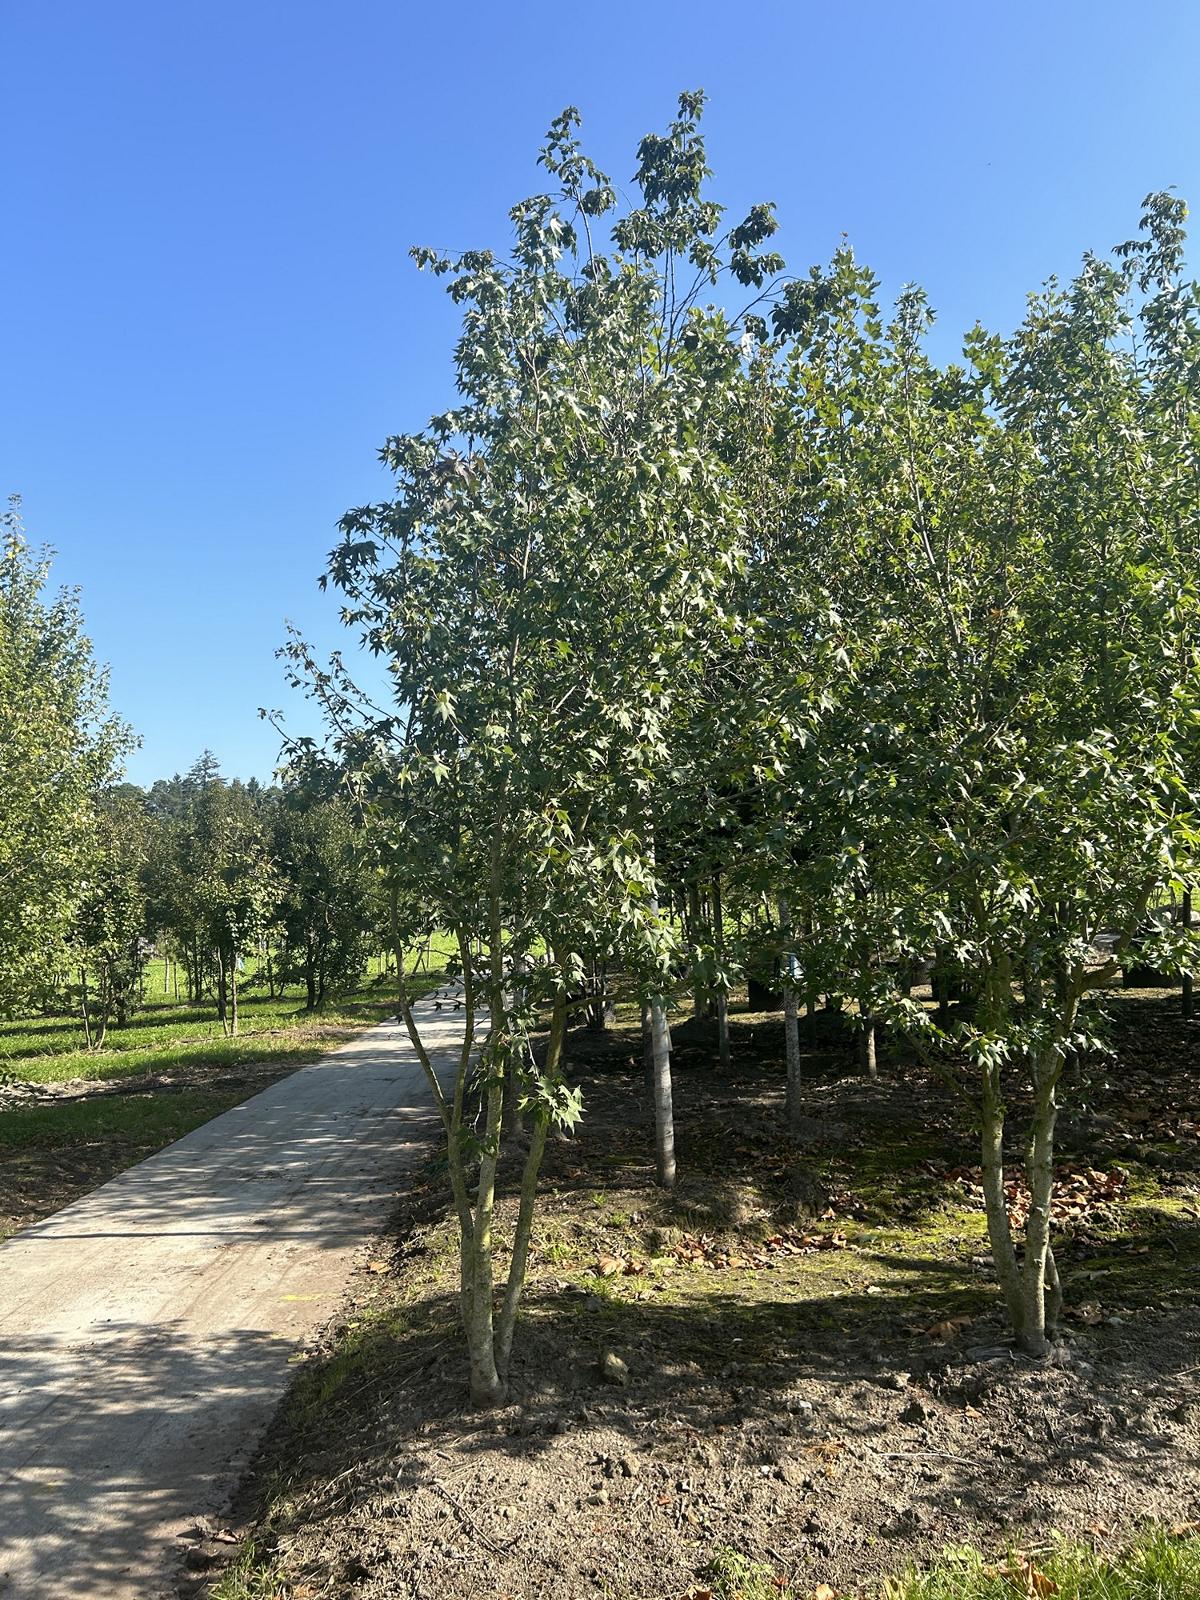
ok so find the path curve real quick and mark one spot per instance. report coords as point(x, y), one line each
point(146, 1330)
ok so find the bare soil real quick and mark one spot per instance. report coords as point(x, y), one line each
point(799, 1356)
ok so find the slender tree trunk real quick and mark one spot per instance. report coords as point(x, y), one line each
point(83, 1007)
point(664, 1110)
point(222, 1007)
point(520, 1251)
point(995, 1202)
point(699, 994)
point(233, 995)
point(718, 911)
point(648, 1060)
point(664, 1107)
point(811, 994)
point(791, 1020)
point(866, 1048)
point(486, 1384)
point(601, 1014)
point(1186, 1004)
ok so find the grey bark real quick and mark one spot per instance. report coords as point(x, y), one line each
point(791, 1022)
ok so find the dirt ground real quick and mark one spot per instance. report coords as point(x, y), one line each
point(798, 1357)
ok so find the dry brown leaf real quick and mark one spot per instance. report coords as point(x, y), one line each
point(824, 1592)
point(947, 1329)
point(609, 1266)
point(377, 1266)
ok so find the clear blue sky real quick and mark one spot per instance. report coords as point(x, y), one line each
point(210, 321)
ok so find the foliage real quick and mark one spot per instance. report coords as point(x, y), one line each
point(58, 746)
point(329, 913)
point(112, 925)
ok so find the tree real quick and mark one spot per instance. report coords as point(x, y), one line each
point(330, 911)
point(236, 887)
point(113, 925)
point(538, 587)
point(1005, 767)
point(59, 746)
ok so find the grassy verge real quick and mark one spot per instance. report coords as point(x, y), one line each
point(1161, 1565)
point(70, 1119)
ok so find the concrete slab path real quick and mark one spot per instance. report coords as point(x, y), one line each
point(146, 1330)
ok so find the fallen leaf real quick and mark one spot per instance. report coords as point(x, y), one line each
point(377, 1266)
point(609, 1266)
point(947, 1329)
point(824, 1592)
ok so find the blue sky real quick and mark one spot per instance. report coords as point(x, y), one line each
point(210, 321)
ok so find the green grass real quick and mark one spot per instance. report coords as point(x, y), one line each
point(110, 1128)
point(251, 1577)
point(146, 1121)
point(165, 1031)
point(1159, 1566)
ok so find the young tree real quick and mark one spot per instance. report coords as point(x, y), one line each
point(112, 924)
point(330, 909)
point(59, 746)
point(235, 884)
point(539, 588)
point(1005, 769)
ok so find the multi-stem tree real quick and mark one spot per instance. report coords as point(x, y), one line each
point(539, 588)
point(1005, 769)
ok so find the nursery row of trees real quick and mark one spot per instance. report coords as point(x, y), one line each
point(716, 589)
point(221, 879)
point(96, 875)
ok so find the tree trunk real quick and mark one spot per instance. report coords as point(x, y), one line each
point(83, 1007)
point(995, 1202)
point(524, 1228)
point(791, 1021)
point(1040, 1175)
point(601, 1013)
point(486, 1384)
point(222, 1007)
point(648, 1061)
point(233, 995)
point(866, 1048)
point(722, 990)
point(1186, 1004)
point(664, 1111)
point(699, 994)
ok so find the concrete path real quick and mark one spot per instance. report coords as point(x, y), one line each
point(145, 1330)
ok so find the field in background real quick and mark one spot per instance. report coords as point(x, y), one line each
point(70, 1119)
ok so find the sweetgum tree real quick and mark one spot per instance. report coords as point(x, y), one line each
point(1005, 770)
point(541, 588)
